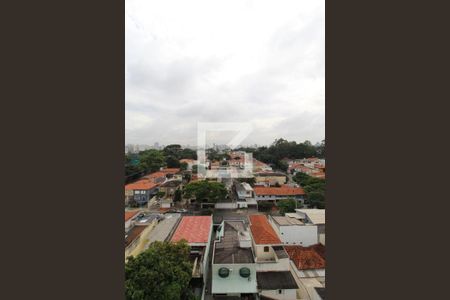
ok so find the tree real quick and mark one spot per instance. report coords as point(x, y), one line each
point(320, 149)
point(316, 199)
point(152, 160)
point(194, 169)
point(287, 205)
point(176, 151)
point(281, 165)
point(172, 162)
point(177, 196)
point(206, 191)
point(163, 271)
point(188, 153)
point(265, 205)
point(187, 177)
point(300, 178)
point(172, 150)
point(183, 166)
point(314, 189)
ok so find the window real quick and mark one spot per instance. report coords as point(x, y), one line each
point(266, 248)
point(280, 292)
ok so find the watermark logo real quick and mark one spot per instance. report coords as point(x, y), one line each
point(239, 168)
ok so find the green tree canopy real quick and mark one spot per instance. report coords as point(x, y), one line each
point(316, 199)
point(163, 271)
point(177, 196)
point(172, 162)
point(209, 191)
point(282, 148)
point(152, 160)
point(314, 189)
point(287, 205)
point(143, 162)
point(175, 152)
point(194, 169)
point(183, 166)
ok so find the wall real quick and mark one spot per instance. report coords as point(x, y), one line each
point(286, 294)
point(129, 223)
point(226, 205)
point(261, 255)
point(206, 255)
point(304, 235)
point(242, 204)
point(279, 265)
point(322, 239)
point(271, 197)
point(137, 246)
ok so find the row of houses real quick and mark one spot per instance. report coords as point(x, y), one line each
point(148, 186)
point(256, 257)
point(248, 196)
point(252, 259)
point(314, 167)
point(137, 225)
point(273, 257)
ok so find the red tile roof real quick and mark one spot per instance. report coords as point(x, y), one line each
point(143, 184)
point(193, 229)
point(130, 214)
point(262, 231)
point(278, 191)
point(155, 175)
point(306, 258)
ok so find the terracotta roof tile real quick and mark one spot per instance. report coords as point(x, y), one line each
point(306, 258)
point(130, 214)
point(193, 229)
point(262, 231)
point(278, 191)
point(143, 184)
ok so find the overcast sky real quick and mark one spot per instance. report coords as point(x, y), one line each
point(224, 61)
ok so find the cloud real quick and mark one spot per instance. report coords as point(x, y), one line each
point(224, 61)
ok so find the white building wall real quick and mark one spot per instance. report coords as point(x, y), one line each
point(226, 205)
point(280, 265)
point(260, 254)
point(322, 238)
point(303, 235)
point(206, 255)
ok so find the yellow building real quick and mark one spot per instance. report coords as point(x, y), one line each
point(137, 238)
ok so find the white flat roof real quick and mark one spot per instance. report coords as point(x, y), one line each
point(317, 216)
point(294, 215)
